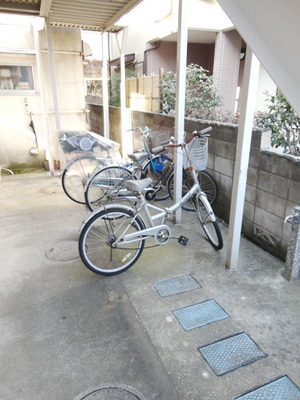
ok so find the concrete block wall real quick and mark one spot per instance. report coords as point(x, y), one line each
point(273, 182)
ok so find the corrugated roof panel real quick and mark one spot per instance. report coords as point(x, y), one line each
point(86, 14)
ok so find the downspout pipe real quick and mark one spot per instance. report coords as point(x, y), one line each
point(145, 56)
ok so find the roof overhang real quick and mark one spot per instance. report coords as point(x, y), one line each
point(98, 15)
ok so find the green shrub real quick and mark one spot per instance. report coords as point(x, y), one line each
point(283, 122)
point(201, 97)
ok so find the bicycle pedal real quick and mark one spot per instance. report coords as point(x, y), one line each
point(183, 240)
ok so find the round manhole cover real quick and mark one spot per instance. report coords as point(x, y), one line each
point(64, 250)
point(111, 392)
point(50, 189)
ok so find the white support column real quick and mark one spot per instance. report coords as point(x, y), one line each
point(248, 100)
point(180, 98)
point(126, 146)
point(105, 97)
point(52, 74)
point(49, 156)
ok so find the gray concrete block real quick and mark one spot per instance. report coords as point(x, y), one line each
point(256, 138)
point(224, 165)
point(210, 162)
point(275, 163)
point(247, 228)
point(250, 195)
point(254, 158)
point(295, 170)
point(212, 145)
point(294, 192)
point(224, 149)
point(275, 184)
point(268, 222)
point(224, 182)
point(249, 211)
point(252, 176)
point(273, 204)
point(267, 240)
point(225, 133)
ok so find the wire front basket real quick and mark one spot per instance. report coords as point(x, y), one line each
point(198, 151)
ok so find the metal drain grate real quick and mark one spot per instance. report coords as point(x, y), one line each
point(201, 314)
point(111, 391)
point(176, 285)
point(231, 353)
point(280, 389)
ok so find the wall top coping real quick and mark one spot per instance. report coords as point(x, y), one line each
point(287, 156)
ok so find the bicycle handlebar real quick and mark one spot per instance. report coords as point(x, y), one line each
point(165, 144)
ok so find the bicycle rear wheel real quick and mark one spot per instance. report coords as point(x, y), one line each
point(104, 186)
point(100, 233)
point(76, 175)
point(210, 228)
point(207, 183)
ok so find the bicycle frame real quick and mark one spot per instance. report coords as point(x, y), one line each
point(162, 213)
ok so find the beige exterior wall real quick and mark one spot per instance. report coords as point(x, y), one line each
point(16, 137)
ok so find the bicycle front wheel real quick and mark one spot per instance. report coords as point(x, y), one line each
point(105, 186)
point(76, 175)
point(96, 241)
point(210, 228)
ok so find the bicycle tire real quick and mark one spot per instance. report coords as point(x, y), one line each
point(207, 183)
point(76, 175)
point(148, 172)
point(211, 228)
point(98, 234)
point(100, 188)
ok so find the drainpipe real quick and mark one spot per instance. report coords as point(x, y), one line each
point(52, 74)
point(145, 57)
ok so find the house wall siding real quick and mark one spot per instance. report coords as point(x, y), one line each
point(227, 66)
point(163, 56)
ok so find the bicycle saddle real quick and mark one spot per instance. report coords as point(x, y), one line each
point(137, 185)
point(137, 156)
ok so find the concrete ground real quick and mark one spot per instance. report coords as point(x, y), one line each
point(65, 331)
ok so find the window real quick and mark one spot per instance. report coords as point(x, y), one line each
point(16, 77)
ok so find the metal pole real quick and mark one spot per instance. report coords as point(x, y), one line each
point(105, 97)
point(242, 157)
point(52, 74)
point(126, 144)
point(180, 98)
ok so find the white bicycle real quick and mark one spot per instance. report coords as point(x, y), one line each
point(113, 237)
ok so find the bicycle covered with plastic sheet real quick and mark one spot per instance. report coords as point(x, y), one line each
point(85, 153)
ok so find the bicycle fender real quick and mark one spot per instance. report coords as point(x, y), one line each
point(105, 207)
point(206, 203)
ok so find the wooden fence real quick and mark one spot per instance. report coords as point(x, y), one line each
point(142, 93)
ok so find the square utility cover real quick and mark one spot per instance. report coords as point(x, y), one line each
point(201, 314)
point(176, 285)
point(231, 353)
point(280, 389)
